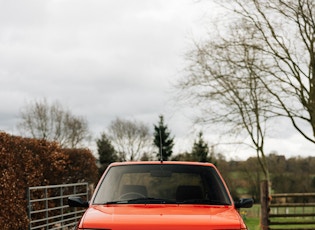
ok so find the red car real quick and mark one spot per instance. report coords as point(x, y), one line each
point(161, 196)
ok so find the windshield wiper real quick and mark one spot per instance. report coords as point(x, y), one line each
point(152, 200)
point(117, 202)
point(143, 200)
point(203, 201)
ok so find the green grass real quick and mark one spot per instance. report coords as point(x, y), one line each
point(252, 223)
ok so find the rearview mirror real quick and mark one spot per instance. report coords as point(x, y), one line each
point(161, 173)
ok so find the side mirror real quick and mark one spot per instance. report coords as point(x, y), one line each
point(74, 201)
point(244, 203)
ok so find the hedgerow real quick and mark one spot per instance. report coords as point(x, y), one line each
point(27, 162)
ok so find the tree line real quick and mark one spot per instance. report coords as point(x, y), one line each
point(124, 140)
point(129, 140)
point(287, 175)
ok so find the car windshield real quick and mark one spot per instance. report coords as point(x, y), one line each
point(162, 183)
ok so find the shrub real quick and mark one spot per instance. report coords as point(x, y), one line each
point(27, 162)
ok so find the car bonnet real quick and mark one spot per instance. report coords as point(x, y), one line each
point(164, 216)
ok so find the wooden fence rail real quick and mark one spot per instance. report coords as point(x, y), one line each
point(289, 211)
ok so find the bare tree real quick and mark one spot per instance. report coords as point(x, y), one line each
point(53, 123)
point(285, 38)
point(224, 84)
point(131, 139)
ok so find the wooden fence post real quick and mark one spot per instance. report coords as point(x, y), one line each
point(264, 200)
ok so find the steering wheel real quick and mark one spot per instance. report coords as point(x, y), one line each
point(131, 195)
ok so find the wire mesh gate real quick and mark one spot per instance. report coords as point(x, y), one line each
point(48, 208)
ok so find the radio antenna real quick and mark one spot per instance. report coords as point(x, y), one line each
point(161, 152)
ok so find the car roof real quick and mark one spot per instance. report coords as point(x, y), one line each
point(162, 162)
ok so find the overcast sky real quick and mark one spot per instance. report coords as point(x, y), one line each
point(104, 59)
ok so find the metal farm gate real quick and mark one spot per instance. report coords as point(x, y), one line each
point(48, 208)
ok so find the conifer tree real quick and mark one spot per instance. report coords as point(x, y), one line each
point(106, 151)
point(200, 149)
point(162, 140)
